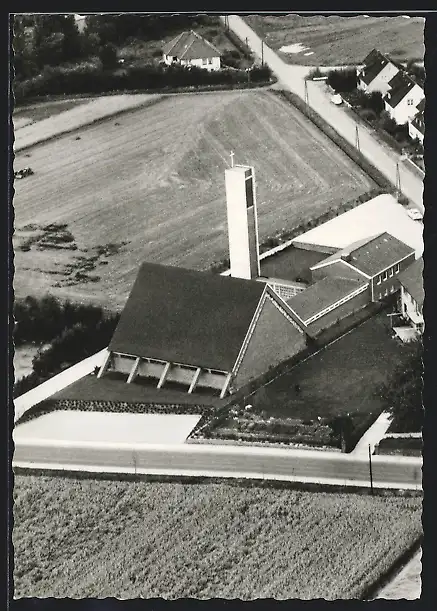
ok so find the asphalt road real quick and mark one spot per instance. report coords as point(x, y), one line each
point(223, 461)
point(293, 78)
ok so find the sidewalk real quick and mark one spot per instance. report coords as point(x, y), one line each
point(372, 436)
point(57, 383)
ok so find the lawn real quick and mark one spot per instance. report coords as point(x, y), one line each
point(336, 40)
point(340, 379)
point(44, 110)
point(92, 538)
point(150, 186)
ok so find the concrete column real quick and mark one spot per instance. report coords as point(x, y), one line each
point(134, 370)
point(164, 375)
point(194, 380)
point(225, 385)
point(105, 365)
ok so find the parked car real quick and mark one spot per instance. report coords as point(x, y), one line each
point(415, 214)
point(336, 99)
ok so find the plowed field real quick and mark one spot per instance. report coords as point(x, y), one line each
point(90, 538)
point(149, 185)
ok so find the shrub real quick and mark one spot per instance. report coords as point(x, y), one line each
point(343, 80)
point(108, 56)
point(314, 73)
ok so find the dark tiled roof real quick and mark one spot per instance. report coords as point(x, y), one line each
point(372, 255)
point(189, 45)
point(412, 279)
point(419, 122)
point(421, 105)
point(373, 66)
point(377, 254)
point(290, 263)
point(184, 316)
point(400, 85)
point(321, 295)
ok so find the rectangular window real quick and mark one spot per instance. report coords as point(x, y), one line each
point(204, 61)
point(410, 102)
point(386, 292)
point(378, 280)
point(391, 272)
point(385, 276)
point(397, 268)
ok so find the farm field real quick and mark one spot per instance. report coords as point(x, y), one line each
point(150, 186)
point(93, 538)
point(316, 40)
point(407, 584)
point(41, 122)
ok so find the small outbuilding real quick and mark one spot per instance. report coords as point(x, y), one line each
point(191, 49)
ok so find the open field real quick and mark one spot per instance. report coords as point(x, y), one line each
point(316, 40)
point(150, 186)
point(40, 122)
point(93, 538)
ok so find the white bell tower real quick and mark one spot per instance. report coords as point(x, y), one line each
point(242, 221)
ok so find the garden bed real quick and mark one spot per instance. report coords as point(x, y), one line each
point(400, 446)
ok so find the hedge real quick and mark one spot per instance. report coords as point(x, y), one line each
point(92, 79)
point(376, 175)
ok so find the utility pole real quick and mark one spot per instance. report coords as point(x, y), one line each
point(232, 158)
point(357, 137)
point(262, 53)
point(398, 179)
point(370, 470)
point(306, 93)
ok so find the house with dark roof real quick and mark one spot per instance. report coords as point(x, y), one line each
point(347, 281)
point(416, 125)
point(403, 98)
point(197, 331)
point(377, 71)
point(412, 295)
point(191, 49)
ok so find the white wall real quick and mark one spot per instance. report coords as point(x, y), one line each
point(211, 64)
point(409, 308)
point(405, 111)
point(380, 83)
point(414, 132)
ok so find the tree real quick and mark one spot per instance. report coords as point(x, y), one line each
point(402, 394)
point(108, 56)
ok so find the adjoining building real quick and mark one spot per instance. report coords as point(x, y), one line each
point(412, 295)
point(403, 98)
point(377, 72)
point(191, 49)
point(416, 125)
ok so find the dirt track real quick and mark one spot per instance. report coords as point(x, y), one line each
point(154, 179)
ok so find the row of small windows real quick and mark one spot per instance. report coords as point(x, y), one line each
point(386, 292)
point(387, 274)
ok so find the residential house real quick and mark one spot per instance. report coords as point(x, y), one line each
point(416, 125)
point(378, 70)
point(412, 295)
point(191, 49)
point(403, 98)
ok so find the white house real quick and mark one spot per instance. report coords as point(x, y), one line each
point(412, 294)
point(191, 49)
point(403, 98)
point(378, 70)
point(416, 125)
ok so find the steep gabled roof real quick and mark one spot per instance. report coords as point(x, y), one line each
point(412, 280)
point(371, 255)
point(419, 122)
point(190, 45)
point(321, 295)
point(374, 63)
point(400, 85)
point(185, 316)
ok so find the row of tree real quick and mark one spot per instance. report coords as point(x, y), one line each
point(53, 40)
point(74, 332)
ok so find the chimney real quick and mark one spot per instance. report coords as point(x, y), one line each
point(242, 222)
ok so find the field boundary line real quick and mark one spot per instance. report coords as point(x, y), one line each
point(372, 591)
point(92, 122)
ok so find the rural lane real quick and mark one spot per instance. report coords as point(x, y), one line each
point(293, 78)
point(221, 461)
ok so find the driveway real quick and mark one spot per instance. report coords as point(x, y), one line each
point(293, 78)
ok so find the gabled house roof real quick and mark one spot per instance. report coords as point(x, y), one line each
point(321, 295)
point(374, 63)
point(190, 45)
point(412, 280)
point(400, 85)
point(371, 256)
point(187, 317)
